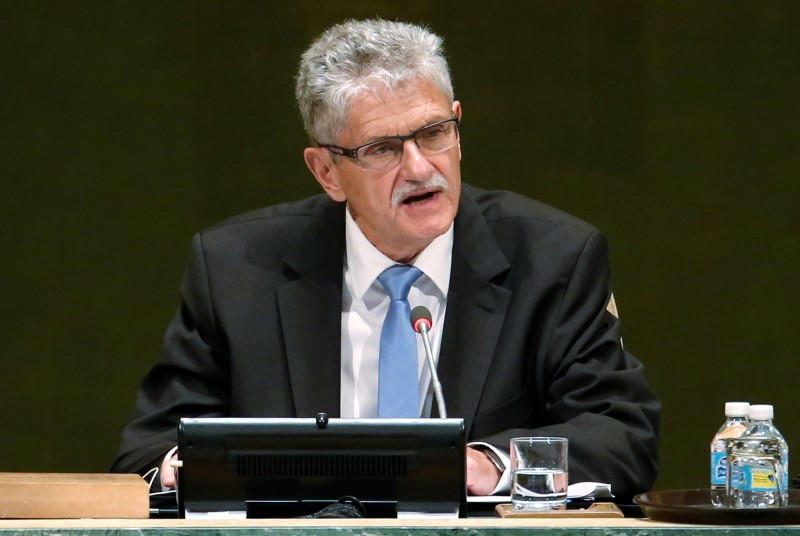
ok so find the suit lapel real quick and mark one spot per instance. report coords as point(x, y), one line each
point(476, 310)
point(312, 335)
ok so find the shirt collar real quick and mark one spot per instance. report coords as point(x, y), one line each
point(365, 262)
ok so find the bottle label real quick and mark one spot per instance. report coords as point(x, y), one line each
point(785, 463)
point(719, 468)
point(736, 477)
point(758, 479)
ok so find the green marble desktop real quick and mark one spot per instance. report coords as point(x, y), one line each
point(629, 528)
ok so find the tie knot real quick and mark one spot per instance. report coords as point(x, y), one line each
point(397, 280)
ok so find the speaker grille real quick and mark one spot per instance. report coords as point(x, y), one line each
point(321, 465)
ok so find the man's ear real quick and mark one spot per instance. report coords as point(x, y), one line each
point(320, 162)
point(457, 113)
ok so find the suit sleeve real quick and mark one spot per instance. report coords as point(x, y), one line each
point(588, 389)
point(191, 378)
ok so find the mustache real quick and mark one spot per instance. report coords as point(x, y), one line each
point(435, 181)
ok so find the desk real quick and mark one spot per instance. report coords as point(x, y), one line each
point(380, 527)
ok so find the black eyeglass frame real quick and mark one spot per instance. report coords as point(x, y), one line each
point(353, 153)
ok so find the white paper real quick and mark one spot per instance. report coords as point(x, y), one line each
point(579, 490)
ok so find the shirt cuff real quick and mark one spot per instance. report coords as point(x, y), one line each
point(501, 460)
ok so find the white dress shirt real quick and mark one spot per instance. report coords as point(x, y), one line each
point(364, 306)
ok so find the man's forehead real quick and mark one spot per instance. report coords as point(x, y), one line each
point(379, 112)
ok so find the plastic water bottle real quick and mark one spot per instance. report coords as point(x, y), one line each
point(735, 424)
point(760, 463)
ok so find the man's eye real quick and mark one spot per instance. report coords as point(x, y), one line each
point(432, 132)
point(379, 149)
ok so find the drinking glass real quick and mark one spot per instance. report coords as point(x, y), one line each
point(540, 473)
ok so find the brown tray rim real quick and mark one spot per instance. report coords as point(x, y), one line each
point(656, 506)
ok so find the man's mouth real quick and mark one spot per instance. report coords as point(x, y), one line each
point(419, 198)
point(415, 194)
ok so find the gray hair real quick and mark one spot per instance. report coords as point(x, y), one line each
point(358, 56)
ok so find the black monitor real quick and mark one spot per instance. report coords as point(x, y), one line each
point(270, 467)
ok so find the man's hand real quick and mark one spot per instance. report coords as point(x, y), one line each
point(168, 473)
point(482, 474)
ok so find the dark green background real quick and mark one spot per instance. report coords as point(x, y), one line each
point(127, 126)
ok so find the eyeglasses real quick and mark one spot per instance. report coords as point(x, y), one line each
point(382, 154)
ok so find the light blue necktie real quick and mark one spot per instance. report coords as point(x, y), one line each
point(398, 380)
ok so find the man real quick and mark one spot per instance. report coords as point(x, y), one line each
point(283, 308)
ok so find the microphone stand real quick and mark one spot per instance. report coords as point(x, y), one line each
point(437, 386)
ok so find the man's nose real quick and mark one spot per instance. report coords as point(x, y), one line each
point(413, 162)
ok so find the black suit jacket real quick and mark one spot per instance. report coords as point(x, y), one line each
point(528, 347)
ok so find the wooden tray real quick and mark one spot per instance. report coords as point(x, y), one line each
point(600, 509)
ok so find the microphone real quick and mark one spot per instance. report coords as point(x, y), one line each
point(422, 323)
